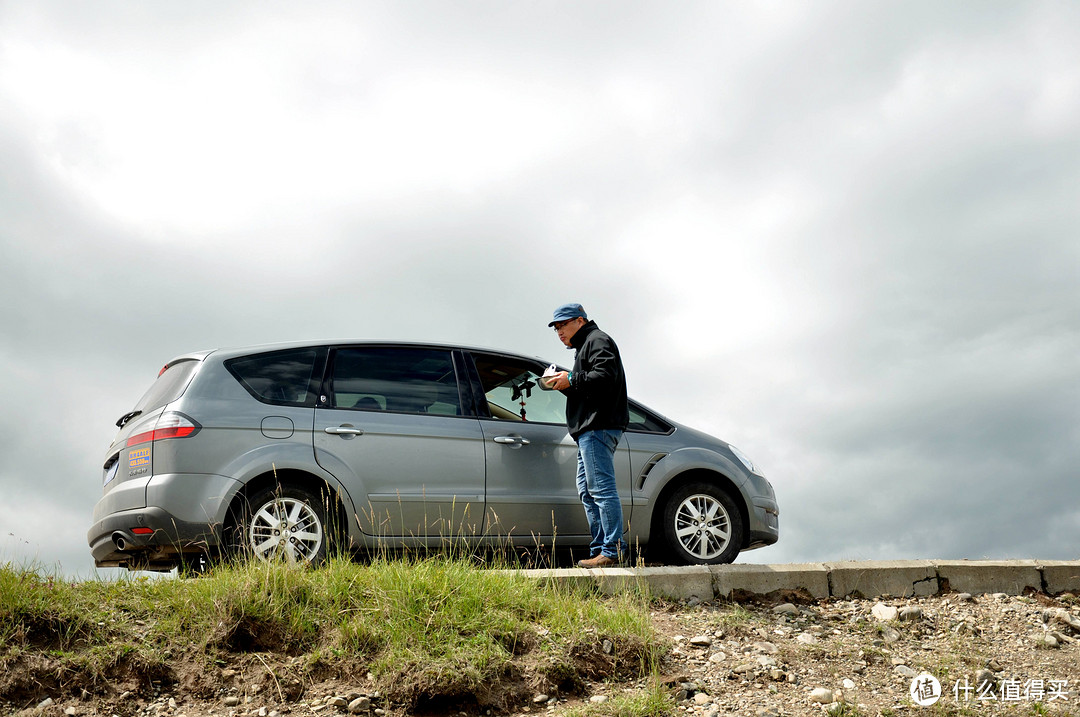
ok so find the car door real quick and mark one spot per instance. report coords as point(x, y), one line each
point(531, 459)
point(393, 428)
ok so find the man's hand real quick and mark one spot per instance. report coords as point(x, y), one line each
point(559, 381)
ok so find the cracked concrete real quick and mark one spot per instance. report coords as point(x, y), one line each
point(870, 579)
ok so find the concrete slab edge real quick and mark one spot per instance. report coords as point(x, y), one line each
point(869, 579)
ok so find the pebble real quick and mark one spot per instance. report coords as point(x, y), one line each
point(883, 612)
point(1047, 640)
point(231, 701)
point(911, 613)
point(786, 609)
point(807, 638)
point(821, 695)
point(540, 699)
point(70, 712)
point(890, 635)
point(717, 657)
point(598, 699)
point(849, 684)
point(701, 641)
point(702, 699)
point(905, 671)
point(361, 704)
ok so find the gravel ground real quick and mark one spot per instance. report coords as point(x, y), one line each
point(991, 653)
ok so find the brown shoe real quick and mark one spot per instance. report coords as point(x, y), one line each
point(600, 561)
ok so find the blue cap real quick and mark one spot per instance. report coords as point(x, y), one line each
point(567, 312)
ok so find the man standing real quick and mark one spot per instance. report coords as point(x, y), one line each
point(596, 414)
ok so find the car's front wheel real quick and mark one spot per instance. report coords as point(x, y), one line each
point(286, 523)
point(702, 525)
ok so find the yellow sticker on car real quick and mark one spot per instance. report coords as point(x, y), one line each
point(139, 457)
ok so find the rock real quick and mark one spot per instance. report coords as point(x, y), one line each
point(363, 704)
point(884, 613)
point(228, 674)
point(231, 701)
point(984, 677)
point(911, 613)
point(822, 695)
point(890, 635)
point(743, 668)
point(717, 657)
point(905, 671)
point(540, 699)
point(807, 638)
point(1046, 640)
point(786, 609)
point(71, 712)
point(340, 702)
point(965, 597)
point(702, 699)
point(262, 712)
point(608, 647)
point(766, 648)
point(849, 684)
point(767, 661)
point(598, 699)
point(701, 641)
point(993, 665)
point(1065, 618)
point(835, 708)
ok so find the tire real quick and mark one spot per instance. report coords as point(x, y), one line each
point(702, 525)
point(285, 523)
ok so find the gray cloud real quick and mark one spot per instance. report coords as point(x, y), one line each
point(840, 236)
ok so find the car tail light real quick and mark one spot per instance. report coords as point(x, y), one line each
point(169, 425)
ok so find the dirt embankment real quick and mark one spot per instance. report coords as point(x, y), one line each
point(768, 657)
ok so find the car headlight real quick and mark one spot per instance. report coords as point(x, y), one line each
point(745, 460)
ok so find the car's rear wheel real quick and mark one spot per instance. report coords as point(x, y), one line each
point(286, 523)
point(702, 525)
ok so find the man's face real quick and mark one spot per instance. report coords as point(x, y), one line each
point(567, 329)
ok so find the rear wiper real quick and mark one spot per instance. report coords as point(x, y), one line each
point(126, 417)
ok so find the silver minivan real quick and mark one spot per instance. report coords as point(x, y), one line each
point(290, 451)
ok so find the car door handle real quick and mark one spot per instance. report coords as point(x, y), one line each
point(512, 440)
point(344, 431)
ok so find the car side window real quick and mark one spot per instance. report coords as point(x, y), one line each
point(643, 421)
point(278, 377)
point(512, 390)
point(397, 379)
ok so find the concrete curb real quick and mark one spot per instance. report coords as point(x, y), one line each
point(894, 578)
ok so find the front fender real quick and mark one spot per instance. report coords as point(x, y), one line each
point(688, 459)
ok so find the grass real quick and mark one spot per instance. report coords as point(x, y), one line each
point(426, 629)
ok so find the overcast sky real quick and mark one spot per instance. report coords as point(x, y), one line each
point(841, 236)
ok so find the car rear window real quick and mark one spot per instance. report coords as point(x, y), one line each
point(402, 380)
point(169, 386)
point(279, 377)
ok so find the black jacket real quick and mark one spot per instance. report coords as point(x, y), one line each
point(596, 399)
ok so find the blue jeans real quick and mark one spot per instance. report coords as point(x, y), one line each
point(597, 490)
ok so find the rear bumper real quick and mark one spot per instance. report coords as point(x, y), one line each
point(191, 526)
point(114, 544)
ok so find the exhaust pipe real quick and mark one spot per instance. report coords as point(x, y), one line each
point(119, 541)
